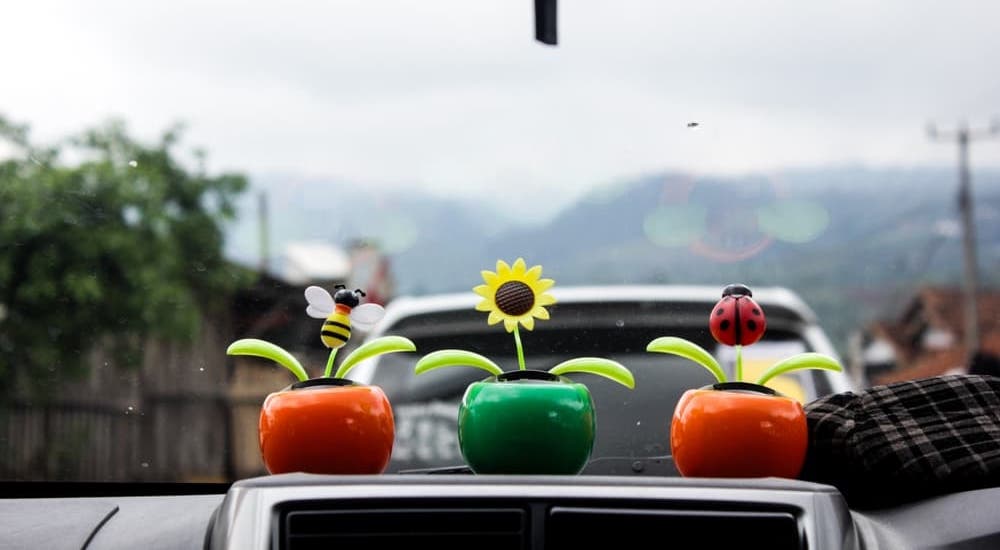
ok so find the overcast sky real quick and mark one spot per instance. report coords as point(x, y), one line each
point(456, 97)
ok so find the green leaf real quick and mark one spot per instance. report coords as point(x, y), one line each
point(596, 365)
point(455, 358)
point(800, 362)
point(688, 350)
point(267, 350)
point(378, 346)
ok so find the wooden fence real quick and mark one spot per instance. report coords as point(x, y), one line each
point(188, 414)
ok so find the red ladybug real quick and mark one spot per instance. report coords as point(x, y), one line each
point(737, 319)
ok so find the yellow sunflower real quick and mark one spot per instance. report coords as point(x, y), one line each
point(515, 294)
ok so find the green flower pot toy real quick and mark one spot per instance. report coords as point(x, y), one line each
point(329, 424)
point(524, 421)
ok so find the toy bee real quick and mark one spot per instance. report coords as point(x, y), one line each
point(340, 311)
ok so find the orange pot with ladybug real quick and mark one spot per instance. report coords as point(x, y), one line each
point(329, 424)
point(738, 428)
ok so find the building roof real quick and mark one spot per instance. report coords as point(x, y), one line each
point(944, 308)
point(310, 261)
point(937, 308)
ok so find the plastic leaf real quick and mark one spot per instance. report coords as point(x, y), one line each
point(267, 350)
point(688, 350)
point(456, 358)
point(378, 346)
point(799, 362)
point(596, 365)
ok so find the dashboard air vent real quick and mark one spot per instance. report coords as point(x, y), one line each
point(437, 528)
point(575, 528)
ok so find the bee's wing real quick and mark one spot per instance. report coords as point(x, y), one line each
point(320, 302)
point(366, 315)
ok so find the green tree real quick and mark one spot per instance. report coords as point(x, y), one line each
point(123, 243)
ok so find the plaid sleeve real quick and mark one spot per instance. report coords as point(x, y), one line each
point(909, 440)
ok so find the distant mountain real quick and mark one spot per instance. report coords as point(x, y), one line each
point(849, 236)
point(851, 241)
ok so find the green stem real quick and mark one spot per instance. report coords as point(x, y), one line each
point(520, 350)
point(738, 368)
point(329, 362)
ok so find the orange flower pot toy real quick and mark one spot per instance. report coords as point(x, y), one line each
point(737, 428)
point(329, 424)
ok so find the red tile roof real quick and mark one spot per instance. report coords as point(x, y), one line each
point(940, 308)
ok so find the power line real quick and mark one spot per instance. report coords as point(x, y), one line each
point(963, 135)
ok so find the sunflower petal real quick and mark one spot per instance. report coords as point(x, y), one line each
point(528, 321)
point(519, 267)
point(503, 270)
point(485, 291)
point(489, 277)
point(545, 300)
point(485, 305)
point(543, 284)
point(533, 274)
point(540, 312)
point(494, 318)
point(509, 323)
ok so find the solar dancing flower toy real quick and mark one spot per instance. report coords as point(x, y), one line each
point(524, 421)
point(328, 424)
point(735, 428)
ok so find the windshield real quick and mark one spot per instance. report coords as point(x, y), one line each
point(174, 176)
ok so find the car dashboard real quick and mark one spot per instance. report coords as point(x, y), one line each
point(303, 511)
point(515, 512)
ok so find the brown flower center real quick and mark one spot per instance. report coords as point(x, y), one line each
point(515, 298)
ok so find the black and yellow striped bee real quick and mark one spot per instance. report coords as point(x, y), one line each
point(340, 311)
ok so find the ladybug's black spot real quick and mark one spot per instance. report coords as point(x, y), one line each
point(755, 311)
point(720, 311)
point(752, 325)
point(724, 325)
point(515, 298)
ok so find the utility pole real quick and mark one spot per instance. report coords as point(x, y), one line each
point(963, 135)
point(264, 236)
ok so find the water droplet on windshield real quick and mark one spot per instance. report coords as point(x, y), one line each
point(133, 163)
point(131, 215)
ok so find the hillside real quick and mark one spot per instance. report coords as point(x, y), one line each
point(852, 241)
